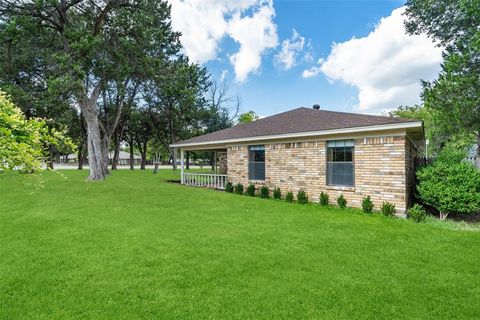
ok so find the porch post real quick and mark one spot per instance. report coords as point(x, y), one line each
point(182, 162)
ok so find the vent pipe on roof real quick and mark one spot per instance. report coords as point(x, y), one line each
point(316, 106)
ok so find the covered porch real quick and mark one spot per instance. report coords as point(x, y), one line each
point(215, 178)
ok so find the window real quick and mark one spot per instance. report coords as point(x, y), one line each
point(340, 170)
point(256, 163)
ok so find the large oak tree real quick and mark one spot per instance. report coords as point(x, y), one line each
point(82, 48)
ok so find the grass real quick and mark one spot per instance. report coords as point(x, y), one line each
point(136, 247)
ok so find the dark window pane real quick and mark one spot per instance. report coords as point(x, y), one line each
point(256, 163)
point(340, 157)
point(256, 171)
point(349, 154)
point(339, 154)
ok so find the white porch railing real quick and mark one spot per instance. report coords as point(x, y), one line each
point(217, 181)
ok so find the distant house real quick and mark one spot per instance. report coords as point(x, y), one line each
point(124, 158)
point(318, 151)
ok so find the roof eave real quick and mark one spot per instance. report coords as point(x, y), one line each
point(391, 126)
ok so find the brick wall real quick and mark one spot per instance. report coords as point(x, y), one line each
point(382, 169)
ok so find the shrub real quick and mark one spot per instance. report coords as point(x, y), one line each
point(250, 190)
point(229, 187)
point(239, 188)
point(342, 202)
point(277, 193)
point(324, 199)
point(289, 196)
point(388, 209)
point(367, 204)
point(417, 213)
point(264, 192)
point(450, 187)
point(302, 197)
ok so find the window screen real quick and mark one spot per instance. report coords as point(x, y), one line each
point(340, 169)
point(256, 163)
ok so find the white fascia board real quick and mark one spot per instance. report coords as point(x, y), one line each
point(403, 125)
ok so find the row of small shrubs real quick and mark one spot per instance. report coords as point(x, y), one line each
point(416, 213)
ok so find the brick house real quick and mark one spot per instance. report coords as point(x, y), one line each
point(317, 150)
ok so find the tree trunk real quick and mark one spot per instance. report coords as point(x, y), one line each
point(94, 142)
point(144, 159)
point(443, 215)
point(477, 160)
point(116, 153)
point(131, 153)
point(187, 164)
point(80, 156)
point(50, 158)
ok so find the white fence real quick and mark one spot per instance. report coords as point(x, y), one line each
point(217, 181)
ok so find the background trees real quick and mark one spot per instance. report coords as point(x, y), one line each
point(103, 68)
point(83, 47)
point(455, 96)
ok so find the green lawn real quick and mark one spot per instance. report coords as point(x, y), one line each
point(137, 247)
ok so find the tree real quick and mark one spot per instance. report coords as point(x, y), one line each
point(24, 143)
point(456, 92)
point(177, 107)
point(82, 46)
point(450, 187)
point(223, 107)
point(247, 117)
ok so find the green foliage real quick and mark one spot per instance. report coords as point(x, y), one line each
point(452, 153)
point(302, 197)
point(367, 204)
point(229, 187)
point(454, 95)
point(324, 199)
point(388, 209)
point(342, 202)
point(417, 213)
point(289, 197)
point(250, 190)
point(24, 143)
point(277, 193)
point(247, 117)
point(239, 188)
point(264, 192)
point(450, 187)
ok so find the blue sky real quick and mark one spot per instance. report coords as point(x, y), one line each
point(278, 55)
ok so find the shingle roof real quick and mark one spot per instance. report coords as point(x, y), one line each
point(294, 121)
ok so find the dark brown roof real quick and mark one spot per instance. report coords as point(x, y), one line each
point(294, 121)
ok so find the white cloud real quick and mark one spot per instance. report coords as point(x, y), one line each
point(386, 66)
point(256, 34)
point(204, 23)
point(291, 48)
point(313, 71)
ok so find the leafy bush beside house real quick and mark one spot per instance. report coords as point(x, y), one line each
point(277, 193)
point(417, 213)
point(342, 202)
point(229, 187)
point(239, 188)
point(450, 187)
point(264, 192)
point(367, 204)
point(289, 197)
point(302, 197)
point(250, 190)
point(388, 209)
point(324, 199)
